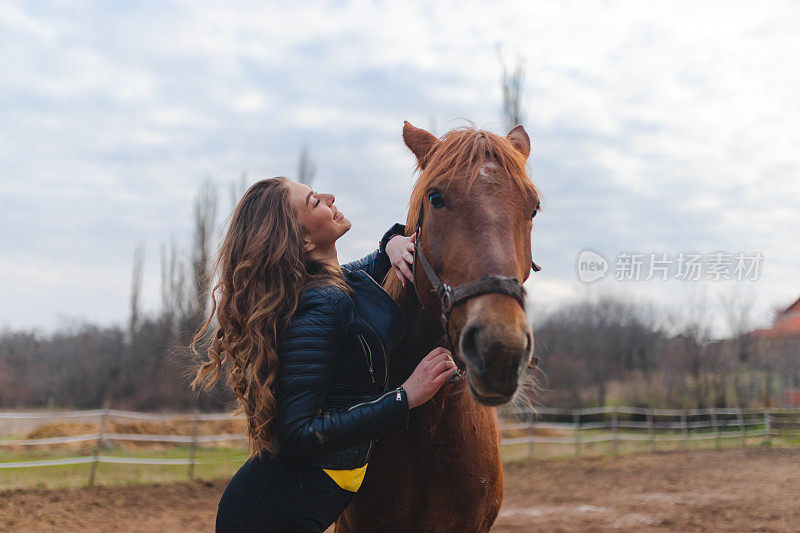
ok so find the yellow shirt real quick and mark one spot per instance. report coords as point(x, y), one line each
point(348, 479)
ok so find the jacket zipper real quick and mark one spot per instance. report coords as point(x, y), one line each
point(379, 398)
point(365, 347)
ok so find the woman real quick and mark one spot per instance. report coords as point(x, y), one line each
point(303, 341)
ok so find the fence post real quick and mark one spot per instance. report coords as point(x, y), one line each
point(576, 420)
point(193, 447)
point(767, 429)
point(685, 428)
point(651, 428)
point(715, 425)
point(615, 429)
point(93, 467)
point(742, 427)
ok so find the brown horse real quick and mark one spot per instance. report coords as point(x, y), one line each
point(445, 473)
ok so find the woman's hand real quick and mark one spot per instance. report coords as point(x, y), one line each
point(400, 250)
point(429, 376)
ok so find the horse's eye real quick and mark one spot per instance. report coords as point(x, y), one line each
point(534, 213)
point(436, 199)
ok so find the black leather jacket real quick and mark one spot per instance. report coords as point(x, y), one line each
point(331, 389)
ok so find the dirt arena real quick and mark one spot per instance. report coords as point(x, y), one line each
point(750, 489)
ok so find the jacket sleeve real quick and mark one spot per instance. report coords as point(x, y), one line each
point(377, 263)
point(308, 351)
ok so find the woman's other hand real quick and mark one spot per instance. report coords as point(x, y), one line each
point(400, 250)
point(429, 376)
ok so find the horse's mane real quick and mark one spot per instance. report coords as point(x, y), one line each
point(461, 154)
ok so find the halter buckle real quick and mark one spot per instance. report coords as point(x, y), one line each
point(445, 293)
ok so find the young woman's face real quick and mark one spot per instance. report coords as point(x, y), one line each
point(319, 217)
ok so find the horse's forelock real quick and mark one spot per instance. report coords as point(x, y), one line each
point(461, 155)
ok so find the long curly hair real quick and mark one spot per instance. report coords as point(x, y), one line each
point(261, 271)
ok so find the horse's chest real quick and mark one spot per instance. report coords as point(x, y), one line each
point(471, 474)
point(441, 473)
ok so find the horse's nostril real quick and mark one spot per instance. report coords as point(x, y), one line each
point(469, 348)
point(528, 343)
point(468, 338)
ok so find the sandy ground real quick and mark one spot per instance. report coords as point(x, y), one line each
point(752, 489)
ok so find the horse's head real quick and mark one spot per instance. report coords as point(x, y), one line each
point(478, 203)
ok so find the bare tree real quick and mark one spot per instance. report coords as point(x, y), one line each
point(237, 189)
point(136, 289)
point(703, 362)
point(173, 281)
point(118, 365)
point(205, 215)
point(737, 309)
point(513, 85)
point(307, 169)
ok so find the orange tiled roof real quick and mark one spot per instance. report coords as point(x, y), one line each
point(786, 325)
point(784, 328)
point(794, 308)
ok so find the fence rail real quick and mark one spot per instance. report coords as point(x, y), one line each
point(572, 427)
point(616, 425)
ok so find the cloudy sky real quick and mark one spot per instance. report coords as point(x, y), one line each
point(658, 127)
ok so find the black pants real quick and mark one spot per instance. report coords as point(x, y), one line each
point(270, 494)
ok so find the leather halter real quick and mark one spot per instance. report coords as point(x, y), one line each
point(453, 296)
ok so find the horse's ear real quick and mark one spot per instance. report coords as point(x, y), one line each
point(519, 139)
point(419, 141)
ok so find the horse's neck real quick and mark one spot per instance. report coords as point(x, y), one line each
point(422, 334)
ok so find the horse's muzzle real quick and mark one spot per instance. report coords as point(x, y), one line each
point(495, 355)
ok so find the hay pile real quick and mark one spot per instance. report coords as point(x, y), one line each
point(138, 427)
point(537, 431)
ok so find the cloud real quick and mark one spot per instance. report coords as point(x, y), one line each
point(658, 127)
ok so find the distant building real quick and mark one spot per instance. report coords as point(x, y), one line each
point(780, 345)
point(787, 324)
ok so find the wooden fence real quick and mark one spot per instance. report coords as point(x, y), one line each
point(614, 426)
point(102, 437)
point(575, 428)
